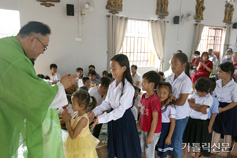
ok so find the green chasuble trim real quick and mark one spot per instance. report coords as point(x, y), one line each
point(24, 102)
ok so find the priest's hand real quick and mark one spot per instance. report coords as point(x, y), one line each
point(68, 81)
point(91, 116)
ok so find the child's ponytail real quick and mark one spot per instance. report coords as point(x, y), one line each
point(92, 104)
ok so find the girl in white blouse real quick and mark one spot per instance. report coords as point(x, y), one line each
point(181, 88)
point(123, 139)
point(226, 121)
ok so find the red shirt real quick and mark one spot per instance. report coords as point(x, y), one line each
point(203, 70)
point(235, 65)
point(150, 105)
point(195, 61)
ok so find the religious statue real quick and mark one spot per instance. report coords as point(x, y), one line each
point(114, 6)
point(229, 10)
point(162, 8)
point(199, 10)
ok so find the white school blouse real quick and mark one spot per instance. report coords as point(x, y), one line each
point(205, 100)
point(181, 85)
point(115, 101)
point(93, 91)
point(169, 113)
point(228, 93)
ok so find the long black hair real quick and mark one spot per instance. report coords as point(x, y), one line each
point(184, 60)
point(123, 61)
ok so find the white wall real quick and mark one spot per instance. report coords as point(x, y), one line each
point(69, 54)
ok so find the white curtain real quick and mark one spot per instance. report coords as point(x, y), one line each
point(157, 32)
point(227, 33)
point(117, 27)
point(198, 28)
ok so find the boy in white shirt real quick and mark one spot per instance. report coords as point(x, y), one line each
point(99, 92)
point(54, 77)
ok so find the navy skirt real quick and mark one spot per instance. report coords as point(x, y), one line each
point(225, 122)
point(164, 149)
point(123, 138)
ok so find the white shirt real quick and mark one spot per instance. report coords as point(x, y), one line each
point(228, 93)
point(114, 100)
point(60, 99)
point(137, 102)
point(56, 77)
point(93, 91)
point(134, 112)
point(181, 85)
point(137, 77)
point(205, 100)
point(215, 62)
point(169, 113)
point(80, 83)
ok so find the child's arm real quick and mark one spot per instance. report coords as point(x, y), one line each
point(197, 107)
point(153, 127)
point(171, 131)
point(182, 99)
point(228, 107)
point(212, 119)
point(73, 133)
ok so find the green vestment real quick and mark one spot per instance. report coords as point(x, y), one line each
point(25, 118)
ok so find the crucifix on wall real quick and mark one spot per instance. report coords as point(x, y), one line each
point(162, 8)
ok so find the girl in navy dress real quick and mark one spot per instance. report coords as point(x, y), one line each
point(226, 121)
point(165, 144)
point(123, 139)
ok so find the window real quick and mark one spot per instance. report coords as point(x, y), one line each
point(137, 44)
point(10, 22)
point(211, 39)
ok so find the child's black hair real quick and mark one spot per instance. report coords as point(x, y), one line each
point(53, 66)
point(92, 73)
point(83, 88)
point(197, 52)
point(105, 73)
point(161, 73)
point(84, 79)
point(227, 67)
point(134, 66)
point(41, 76)
point(167, 85)
point(69, 98)
point(109, 75)
point(123, 61)
point(212, 84)
point(104, 81)
point(79, 69)
point(203, 85)
point(47, 77)
point(152, 77)
point(91, 66)
point(137, 89)
point(184, 60)
point(83, 97)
